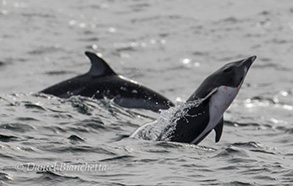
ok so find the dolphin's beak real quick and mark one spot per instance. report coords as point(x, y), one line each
point(246, 63)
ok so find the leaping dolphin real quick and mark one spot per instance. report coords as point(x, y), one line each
point(102, 82)
point(205, 107)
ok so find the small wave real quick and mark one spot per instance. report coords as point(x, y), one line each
point(58, 72)
point(17, 127)
point(55, 178)
point(243, 152)
point(5, 177)
point(75, 138)
point(6, 138)
point(118, 158)
point(77, 149)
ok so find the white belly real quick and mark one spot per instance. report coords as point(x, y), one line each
point(219, 103)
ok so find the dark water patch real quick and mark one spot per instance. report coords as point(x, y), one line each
point(7, 101)
point(5, 177)
point(26, 119)
point(263, 99)
point(208, 181)
point(121, 184)
point(2, 63)
point(229, 167)
point(120, 137)
point(31, 105)
point(91, 39)
point(139, 6)
point(198, 53)
point(95, 123)
point(61, 115)
point(81, 108)
point(53, 178)
point(81, 105)
point(38, 14)
point(289, 131)
point(232, 20)
point(289, 174)
point(239, 160)
point(14, 60)
point(145, 19)
point(55, 129)
point(256, 171)
point(279, 41)
point(238, 183)
point(75, 138)
point(5, 156)
point(17, 127)
point(6, 138)
point(88, 32)
point(78, 149)
point(148, 160)
point(247, 144)
point(78, 129)
point(125, 158)
point(232, 151)
point(253, 147)
point(42, 50)
point(59, 72)
point(118, 112)
point(265, 178)
point(126, 48)
point(262, 151)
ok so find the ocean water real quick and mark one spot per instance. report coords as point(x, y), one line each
point(169, 46)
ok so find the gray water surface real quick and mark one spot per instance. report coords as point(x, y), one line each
point(169, 46)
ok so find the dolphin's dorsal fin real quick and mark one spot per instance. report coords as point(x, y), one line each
point(219, 129)
point(99, 66)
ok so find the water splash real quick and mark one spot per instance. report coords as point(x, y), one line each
point(162, 128)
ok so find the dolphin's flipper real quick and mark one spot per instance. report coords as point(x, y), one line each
point(99, 66)
point(219, 129)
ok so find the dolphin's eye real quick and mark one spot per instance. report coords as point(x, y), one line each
point(228, 69)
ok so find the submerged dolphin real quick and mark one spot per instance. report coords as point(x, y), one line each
point(206, 106)
point(102, 82)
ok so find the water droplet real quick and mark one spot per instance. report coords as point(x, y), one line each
point(163, 41)
point(112, 30)
point(94, 46)
point(186, 61)
point(196, 64)
point(153, 41)
point(71, 22)
point(288, 107)
point(284, 93)
point(4, 12)
point(82, 25)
